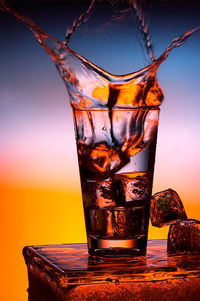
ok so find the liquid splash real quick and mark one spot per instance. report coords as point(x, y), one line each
point(77, 22)
point(143, 27)
point(90, 86)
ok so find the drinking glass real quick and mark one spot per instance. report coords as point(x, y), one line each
point(116, 154)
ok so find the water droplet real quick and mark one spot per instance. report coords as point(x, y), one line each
point(103, 128)
point(108, 279)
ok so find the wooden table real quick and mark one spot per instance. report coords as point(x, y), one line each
point(66, 272)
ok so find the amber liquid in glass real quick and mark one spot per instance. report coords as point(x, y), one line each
point(116, 171)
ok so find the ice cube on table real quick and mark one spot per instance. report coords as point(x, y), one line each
point(184, 236)
point(166, 208)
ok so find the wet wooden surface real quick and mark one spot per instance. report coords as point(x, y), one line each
point(66, 272)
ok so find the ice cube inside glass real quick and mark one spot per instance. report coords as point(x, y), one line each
point(116, 152)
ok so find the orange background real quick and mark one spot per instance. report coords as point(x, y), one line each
point(39, 181)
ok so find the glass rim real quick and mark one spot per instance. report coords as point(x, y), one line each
point(146, 108)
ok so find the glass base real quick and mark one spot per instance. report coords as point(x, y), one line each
point(110, 247)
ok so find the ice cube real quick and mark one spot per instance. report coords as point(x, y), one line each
point(128, 221)
point(104, 194)
point(130, 187)
point(184, 236)
point(117, 222)
point(142, 131)
point(121, 222)
point(98, 194)
point(100, 161)
point(141, 91)
point(101, 222)
point(134, 141)
point(98, 221)
point(166, 208)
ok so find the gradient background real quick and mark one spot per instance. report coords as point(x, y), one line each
point(39, 181)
